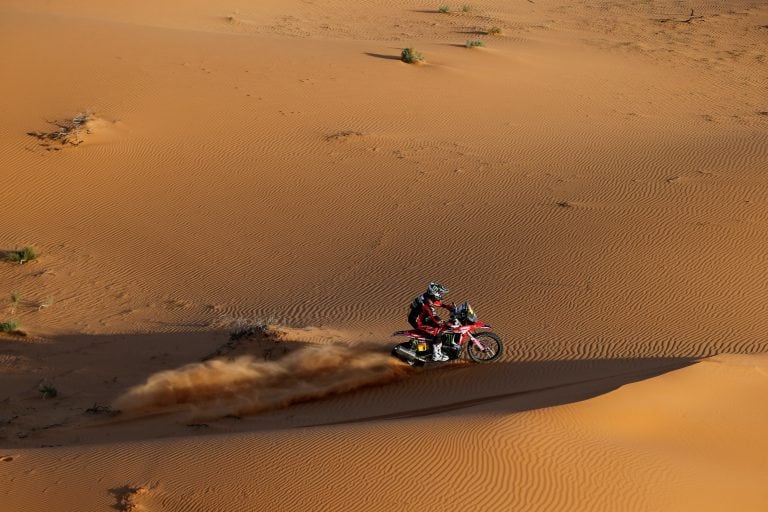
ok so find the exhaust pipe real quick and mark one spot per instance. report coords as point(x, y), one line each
point(409, 356)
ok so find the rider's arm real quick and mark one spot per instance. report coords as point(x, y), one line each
point(428, 311)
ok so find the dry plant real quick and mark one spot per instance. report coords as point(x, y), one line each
point(244, 328)
point(15, 301)
point(45, 303)
point(69, 132)
point(126, 497)
point(343, 135)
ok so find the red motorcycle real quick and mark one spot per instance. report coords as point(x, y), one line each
point(460, 332)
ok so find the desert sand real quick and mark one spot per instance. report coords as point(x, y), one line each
point(593, 179)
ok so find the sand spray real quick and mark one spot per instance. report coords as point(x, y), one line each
point(246, 385)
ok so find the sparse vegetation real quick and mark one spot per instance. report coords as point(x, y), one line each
point(22, 256)
point(411, 56)
point(474, 43)
point(15, 299)
point(45, 303)
point(47, 390)
point(69, 131)
point(466, 8)
point(101, 409)
point(493, 31)
point(244, 331)
point(126, 497)
point(444, 9)
point(247, 328)
point(343, 135)
point(9, 326)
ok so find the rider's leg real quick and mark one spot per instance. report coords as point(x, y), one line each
point(437, 343)
point(437, 346)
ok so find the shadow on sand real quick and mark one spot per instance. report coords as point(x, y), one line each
point(93, 370)
point(508, 386)
point(382, 56)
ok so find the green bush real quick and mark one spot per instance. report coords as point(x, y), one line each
point(411, 56)
point(493, 31)
point(474, 43)
point(444, 9)
point(466, 8)
point(22, 256)
point(9, 326)
point(47, 390)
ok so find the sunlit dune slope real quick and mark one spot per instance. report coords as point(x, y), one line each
point(687, 440)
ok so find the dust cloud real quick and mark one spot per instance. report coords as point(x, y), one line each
point(249, 386)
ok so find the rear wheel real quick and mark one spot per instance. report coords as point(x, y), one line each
point(491, 351)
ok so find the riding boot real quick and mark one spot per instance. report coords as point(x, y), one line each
point(437, 352)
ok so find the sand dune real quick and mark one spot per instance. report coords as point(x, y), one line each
point(592, 179)
point(650, 445)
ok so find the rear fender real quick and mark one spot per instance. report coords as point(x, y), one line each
point(410, 334)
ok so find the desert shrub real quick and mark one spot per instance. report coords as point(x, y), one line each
point(411, 56)
point(250, 327)
point(45, 303)
point(68, 131)
point(493, 31)
point(9, 326)
point(22, 256)
point(444, 9)
point(47, 390)
point(466, 8)
point(101, 409)
point(474, 43)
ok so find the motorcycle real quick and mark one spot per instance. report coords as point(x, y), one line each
point(458, 335)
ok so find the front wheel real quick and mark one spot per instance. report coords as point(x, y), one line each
point(491, 351)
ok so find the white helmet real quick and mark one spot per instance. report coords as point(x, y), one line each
point(436, 290)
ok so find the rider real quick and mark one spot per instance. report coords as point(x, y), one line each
point(423, 316)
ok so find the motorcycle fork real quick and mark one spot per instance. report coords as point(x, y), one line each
point(476, 343)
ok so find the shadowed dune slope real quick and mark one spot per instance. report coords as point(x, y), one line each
point(656, 444)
